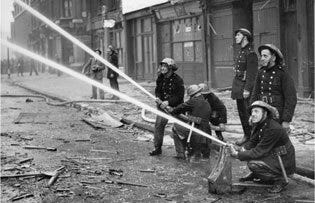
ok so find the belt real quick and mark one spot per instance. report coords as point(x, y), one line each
point(282, 150)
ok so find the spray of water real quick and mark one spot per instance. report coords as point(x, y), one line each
point(103, 87)
point(80, 44)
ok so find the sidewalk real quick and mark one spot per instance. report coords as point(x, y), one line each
point(71, 89)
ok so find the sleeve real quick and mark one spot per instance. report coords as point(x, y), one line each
point(251, 71)
point(220, 108)
point(184, 107)
point(290, 98)
point(263, 148)
point(158, 87)
point(255, 92)
point(177, 94)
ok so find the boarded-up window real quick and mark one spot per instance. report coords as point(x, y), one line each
point(186, 35)
point(178, 51)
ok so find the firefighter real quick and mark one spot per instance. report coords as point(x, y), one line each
point(246, 65)
point(274, 85)
point(169, 91)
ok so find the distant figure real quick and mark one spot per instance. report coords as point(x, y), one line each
point(33, 67)
point(57, 58)
point(111, 74)
point(94, 69)
point(20, 66)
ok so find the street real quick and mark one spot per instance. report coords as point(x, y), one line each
point(107, 164)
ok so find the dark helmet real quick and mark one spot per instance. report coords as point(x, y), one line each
point(245, 32)
point(170, 62)
point(274, 50)
point(193, 89)
point(272, 111)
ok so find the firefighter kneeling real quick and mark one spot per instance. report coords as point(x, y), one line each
point(198, 110)
point(269, 151)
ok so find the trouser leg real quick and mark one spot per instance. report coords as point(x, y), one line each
point(180, 144)
point(242, 107)
point(264, 171)
point(160, 124)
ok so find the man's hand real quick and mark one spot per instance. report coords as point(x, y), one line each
point(111, 75)
point(286, 126)
point(222, 127)
point(164, 104)
point(169, 109)
point(246, 94)
point(158, 101)
point(233, 151)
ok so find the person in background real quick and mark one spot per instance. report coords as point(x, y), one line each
point(246, 66)
point(274, 85)
point(169, 91)
point(20, 66)
point(268, 149)
point(94, 69)
point(33, 68)
point(112, 75)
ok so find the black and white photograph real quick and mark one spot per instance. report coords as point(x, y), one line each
point(180, 101)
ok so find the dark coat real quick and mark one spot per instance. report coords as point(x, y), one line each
point(198, 107)
point(170, 89)
point(246, 66)
point(113, 59)
point(94, 69)
point(266, 137)
point(217, 107)
point(276, 87)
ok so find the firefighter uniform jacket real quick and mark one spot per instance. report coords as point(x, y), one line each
point(217, 107)
point(265, 141)
point(276, 87)
point(197, 107)
point(246, 66)
point(170, 89)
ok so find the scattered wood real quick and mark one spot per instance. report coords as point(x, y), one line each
point(306, 180)
point(21, 197)
point(307, 120)
point(124, 183)
point(94, 124)
point(82, 140)
point(25, 160)
point(40, 147)
point(104, 151)
point(119, 160)
point(148, 171)
point(55, 176)
point(14, 108)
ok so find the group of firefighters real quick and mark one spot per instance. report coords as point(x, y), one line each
point(266, 98)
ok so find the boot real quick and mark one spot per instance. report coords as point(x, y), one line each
point(278, 187)
point(156, 152)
